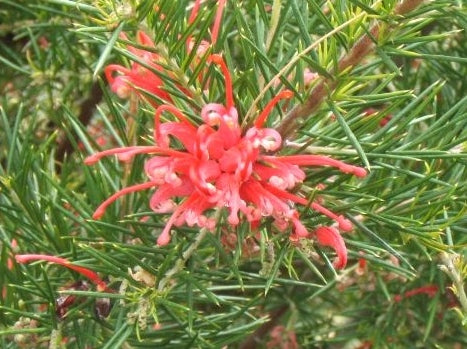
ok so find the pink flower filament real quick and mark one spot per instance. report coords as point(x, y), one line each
point(91, 275)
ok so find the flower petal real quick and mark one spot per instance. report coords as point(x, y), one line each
point(329, 236)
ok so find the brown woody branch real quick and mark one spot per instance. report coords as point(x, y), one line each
point(360, 50)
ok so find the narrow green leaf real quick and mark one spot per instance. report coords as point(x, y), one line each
point(119, 337)
point(107, 49)
point(350, 135)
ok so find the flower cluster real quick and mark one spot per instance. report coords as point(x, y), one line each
point(142, 75)
point(124, 80)
point(222, 166)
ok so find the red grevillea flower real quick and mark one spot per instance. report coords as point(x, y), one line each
point(222, 166)
point(214, 30)
point(91, 275)
point(124, 80)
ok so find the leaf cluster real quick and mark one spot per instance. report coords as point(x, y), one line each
point(409, 213)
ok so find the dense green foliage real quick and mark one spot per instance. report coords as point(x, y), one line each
point(409, 213)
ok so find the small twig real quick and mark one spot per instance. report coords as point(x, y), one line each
point(455, 274)
point(55, 337)
point(180, 263)
point(356, 54)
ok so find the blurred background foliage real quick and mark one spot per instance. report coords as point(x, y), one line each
point(402, 110)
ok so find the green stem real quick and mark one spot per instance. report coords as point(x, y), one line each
point(453, 272)
point(180, 263)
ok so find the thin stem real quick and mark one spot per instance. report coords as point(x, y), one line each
point(455, 274)
point(180, 263)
